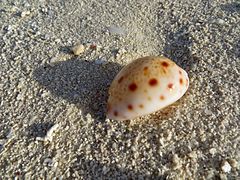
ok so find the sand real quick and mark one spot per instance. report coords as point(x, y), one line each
point(53, 103)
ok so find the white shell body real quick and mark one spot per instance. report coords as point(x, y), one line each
point(145, 86)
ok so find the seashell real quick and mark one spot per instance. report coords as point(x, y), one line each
point(144, 86)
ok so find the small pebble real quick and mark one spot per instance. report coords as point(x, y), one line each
point(52, 129)
point(226, 167)
point(49, 135)
point(212, 151)
point(93, 47)
point(220, 22)
point(25, 13)
point(78, 49)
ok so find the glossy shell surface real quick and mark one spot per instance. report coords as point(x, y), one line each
point(144, 86)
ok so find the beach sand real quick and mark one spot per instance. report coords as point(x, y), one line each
point(53, 103)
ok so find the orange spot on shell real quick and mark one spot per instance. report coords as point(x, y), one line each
point(145, 70)
point(153, 82)
point(170, 85)
point(141, 105)
point(162, 97)
point(165, 64)
point(130, 107)
point(181, 81)
point(132, 87)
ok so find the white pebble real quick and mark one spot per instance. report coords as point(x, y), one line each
point(78, 49)
point(220, 22)
point(52, 129)
point(212, 151)
point(25, 13)
point(49, 134)
point(226, 167)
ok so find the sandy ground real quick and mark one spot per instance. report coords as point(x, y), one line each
point(52, 122)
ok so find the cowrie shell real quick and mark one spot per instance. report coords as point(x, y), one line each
point(144, 86)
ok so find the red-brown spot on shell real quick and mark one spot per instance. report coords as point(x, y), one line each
point(145, 70)
point(153, 82)
point(130, 107)
point(162, 97)
point(115, 113)
point(141, 105)
point(120, 79)
point(180, 72)
point(170, 85)
point(181, 81)
point(132, 87)
point(165, 64)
